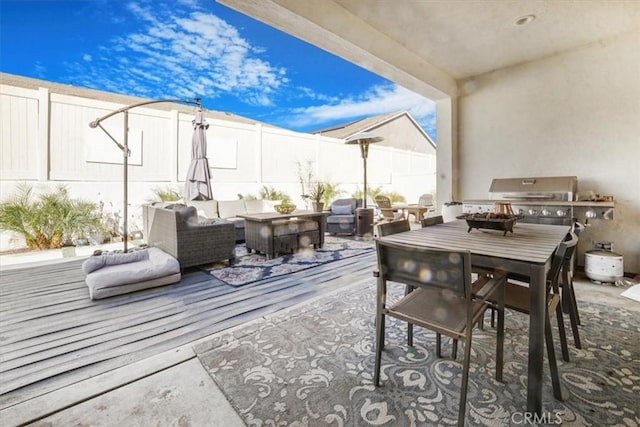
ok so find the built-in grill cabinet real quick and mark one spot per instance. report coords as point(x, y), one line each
point(542, 200)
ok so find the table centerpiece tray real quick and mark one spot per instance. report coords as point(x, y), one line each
point(490, 221)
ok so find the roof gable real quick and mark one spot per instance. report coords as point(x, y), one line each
point(345, 130)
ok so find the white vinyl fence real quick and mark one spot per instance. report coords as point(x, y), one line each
point(45, 140)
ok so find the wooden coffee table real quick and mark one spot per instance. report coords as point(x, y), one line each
point(271, 233)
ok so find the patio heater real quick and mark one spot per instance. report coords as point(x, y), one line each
point(364, 216)
point(126, 152)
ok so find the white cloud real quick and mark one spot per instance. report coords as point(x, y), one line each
point(379, 99)
point(189, 52)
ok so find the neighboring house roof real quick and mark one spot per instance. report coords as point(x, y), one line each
point(345, 130)
point(64, 89)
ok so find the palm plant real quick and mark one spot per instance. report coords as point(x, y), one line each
point(331, 191)
point(48, 220)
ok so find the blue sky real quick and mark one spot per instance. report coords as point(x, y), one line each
point(187, 48)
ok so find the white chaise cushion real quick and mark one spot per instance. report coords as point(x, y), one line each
point(156, 269)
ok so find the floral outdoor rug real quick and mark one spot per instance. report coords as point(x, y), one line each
point(252, 267)
point(313, 365)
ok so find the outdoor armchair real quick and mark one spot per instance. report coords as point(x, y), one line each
point(342, 217)
point(192, 240)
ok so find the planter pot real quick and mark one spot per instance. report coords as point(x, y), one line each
point(317, 207)
point(449, 213)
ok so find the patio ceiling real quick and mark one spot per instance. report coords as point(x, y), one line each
point(430, 46)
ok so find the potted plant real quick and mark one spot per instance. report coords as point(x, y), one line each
point(316, 194)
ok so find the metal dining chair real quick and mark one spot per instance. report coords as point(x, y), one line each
point(517, 298)
point(432, 220)
point(393, 227)
point(441, 302)
point(569, 302)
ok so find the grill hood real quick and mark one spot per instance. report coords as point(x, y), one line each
point(534, 188)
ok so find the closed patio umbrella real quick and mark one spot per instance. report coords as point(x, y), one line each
point(198, 182)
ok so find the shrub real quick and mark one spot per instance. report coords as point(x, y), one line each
point(395, 197)
point(371, 191)
point(166, 194)
point(50, 219)
point(270, 193)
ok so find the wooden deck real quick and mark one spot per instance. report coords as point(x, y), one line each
point(52, 335)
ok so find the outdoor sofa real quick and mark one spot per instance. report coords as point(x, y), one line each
point(230, 209)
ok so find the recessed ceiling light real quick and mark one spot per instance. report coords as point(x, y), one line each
point(524, 20)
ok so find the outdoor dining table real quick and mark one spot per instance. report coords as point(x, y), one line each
point(527, 251)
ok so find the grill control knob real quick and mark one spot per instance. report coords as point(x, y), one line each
point(520, 211)
point(533, 212)
point(560, 212)
point(546, 212)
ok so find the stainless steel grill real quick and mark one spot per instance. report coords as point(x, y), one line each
point(542, 200)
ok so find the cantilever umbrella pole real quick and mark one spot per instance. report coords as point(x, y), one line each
point(125, 152)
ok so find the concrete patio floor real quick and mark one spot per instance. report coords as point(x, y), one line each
point(173, 389)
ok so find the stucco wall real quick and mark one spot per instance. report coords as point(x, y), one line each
point(576, 113)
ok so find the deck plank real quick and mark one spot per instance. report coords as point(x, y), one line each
point(53, 335)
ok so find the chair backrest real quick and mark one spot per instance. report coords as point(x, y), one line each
point(424, 267)
point(578, 228)
point(432, 220)
point(563, 254)
point(393, 227)
point(345, 202)
point(425, 200)
point(383, 202)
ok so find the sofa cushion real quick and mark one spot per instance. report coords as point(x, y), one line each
point(341, 210)
point(206, 208)
point(188, 214)
point(254, 206)
point(341, 219)
point(158, 268)
point(231, 208)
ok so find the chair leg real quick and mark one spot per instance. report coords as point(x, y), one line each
point(563, 334)
point(551, 355)
point(500, 336)
point(575, 302)
point(454, 349)
point(407, 290)
point(465, 380)
point(438, 345)
point(379, 339)
point(380, 323)
point(567, 292)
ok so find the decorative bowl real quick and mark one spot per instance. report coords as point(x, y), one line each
point(284, 209)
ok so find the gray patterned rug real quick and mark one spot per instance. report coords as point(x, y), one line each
point(253, 267)
point(313, 366)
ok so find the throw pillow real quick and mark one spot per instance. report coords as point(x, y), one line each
point(188, 213)
point(341, 209)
